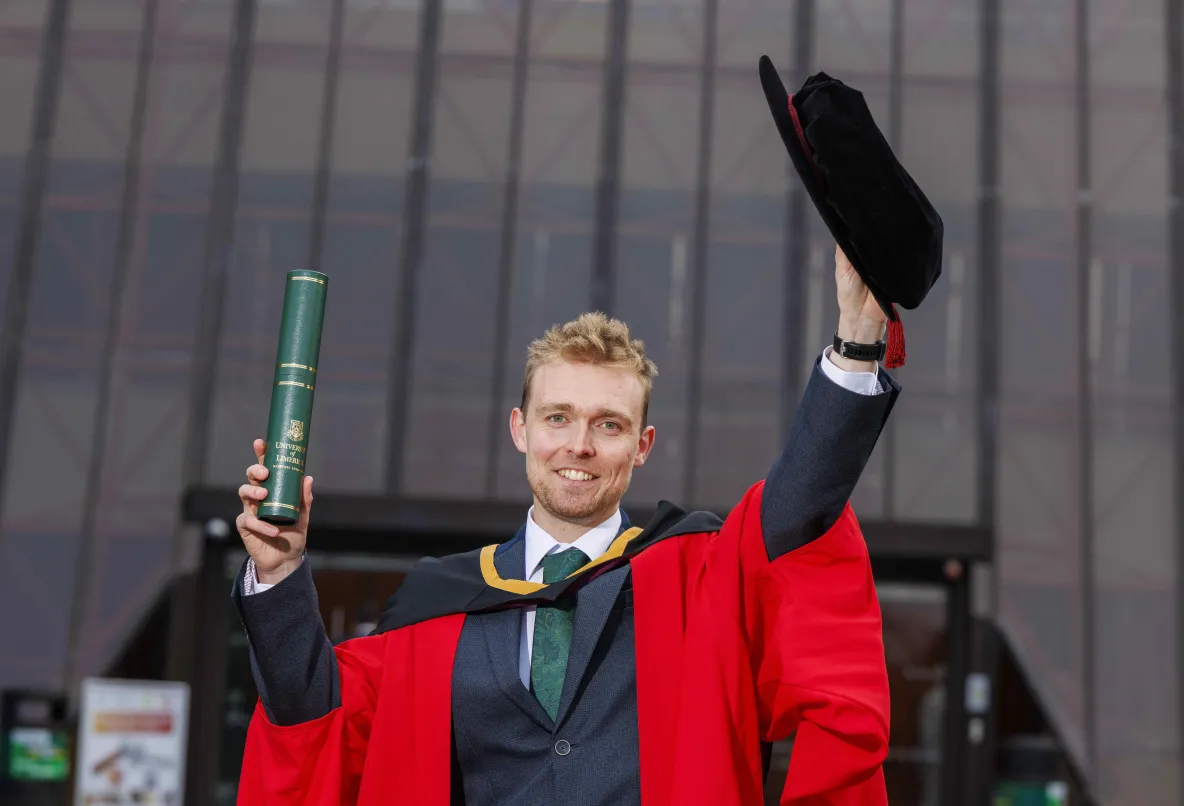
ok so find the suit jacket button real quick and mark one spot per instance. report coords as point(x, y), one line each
point(562, 747)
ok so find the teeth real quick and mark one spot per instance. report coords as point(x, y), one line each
point(576, 475)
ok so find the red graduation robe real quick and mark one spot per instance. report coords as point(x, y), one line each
point(731, 650)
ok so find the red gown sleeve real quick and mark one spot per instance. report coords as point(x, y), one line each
point(317, 763)
point(817, 652)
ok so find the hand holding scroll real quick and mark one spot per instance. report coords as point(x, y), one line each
point(276, 550)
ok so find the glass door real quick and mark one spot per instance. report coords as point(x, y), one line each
point(915, 646)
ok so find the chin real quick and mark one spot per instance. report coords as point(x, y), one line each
point(574, 509)
point(569, 507)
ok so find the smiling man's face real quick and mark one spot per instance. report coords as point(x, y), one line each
point(582, 433)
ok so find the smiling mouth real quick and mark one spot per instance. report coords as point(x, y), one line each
point(575, 475)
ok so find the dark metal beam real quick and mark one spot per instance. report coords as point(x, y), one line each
point(129, 215)
point(981, 723)
point(415, 211)
point(1174, 63)
point(507, 257)
point(28, 229)
point(604, 246)
point(220, 228)
point(797, 239)
point(1085, 377)
point(699, 265)
point(895, 127)
point(362, 522)
point(1046, 256)
point(969, 778)
point(208, 697)
point(207, 49)
point(987, 236)
point(958, 631)
point(185, 615)
point(320, 201)
point(219, 245)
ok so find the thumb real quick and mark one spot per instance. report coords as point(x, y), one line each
point(306, 502)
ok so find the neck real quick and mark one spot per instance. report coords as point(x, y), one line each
point(563, 530)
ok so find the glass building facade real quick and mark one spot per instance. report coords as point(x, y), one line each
point(469, 172)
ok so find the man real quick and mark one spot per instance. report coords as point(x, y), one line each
point(585, 661)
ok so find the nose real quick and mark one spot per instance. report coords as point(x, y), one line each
point(581, 444)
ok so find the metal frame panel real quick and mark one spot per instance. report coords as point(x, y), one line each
point(1174, 64)
point(509, 242)
point(52, 46)
point(608, 185)
point(128, 218)
point(316, 237)
point(184, 617)
point(798, 212)
point(1085, 377)
point(417, 181)
point(971, 779)
point(699, 253)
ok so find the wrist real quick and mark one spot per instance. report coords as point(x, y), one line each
point(277, 574)
point(860, 329)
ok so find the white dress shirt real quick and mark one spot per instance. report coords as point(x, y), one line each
point(539, 544)
point(597, 539)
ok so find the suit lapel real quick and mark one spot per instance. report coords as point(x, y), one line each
point(594, 602)
point(503, 635)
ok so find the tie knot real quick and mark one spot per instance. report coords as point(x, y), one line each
point(561, 564)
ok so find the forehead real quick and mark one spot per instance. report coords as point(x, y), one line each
point(587, 387)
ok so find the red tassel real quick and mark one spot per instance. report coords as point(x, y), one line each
point(894, 356)
point(805, 144)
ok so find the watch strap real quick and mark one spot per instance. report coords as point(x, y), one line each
point(860, 352)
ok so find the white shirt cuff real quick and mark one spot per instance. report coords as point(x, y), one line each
point(863, 383)
point(251, 583)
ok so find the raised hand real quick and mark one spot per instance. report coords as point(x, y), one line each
point(859, 312)
point(276, 550)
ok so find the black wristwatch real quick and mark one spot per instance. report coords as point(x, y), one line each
point(860, 352)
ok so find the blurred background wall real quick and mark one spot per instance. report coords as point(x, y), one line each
point(470, 171)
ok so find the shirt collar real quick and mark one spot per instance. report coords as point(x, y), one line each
point(593, 543)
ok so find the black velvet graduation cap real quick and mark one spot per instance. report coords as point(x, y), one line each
point(877, 214)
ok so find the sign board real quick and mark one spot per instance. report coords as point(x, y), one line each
point(131, 743)
point(1016, 793)
point(35, 741)
point(38, 754)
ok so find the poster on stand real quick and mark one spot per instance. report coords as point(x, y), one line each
point(131, 743)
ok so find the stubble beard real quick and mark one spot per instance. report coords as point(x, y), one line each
point(573, 510)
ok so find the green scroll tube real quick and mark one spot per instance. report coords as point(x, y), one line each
point(291, 395)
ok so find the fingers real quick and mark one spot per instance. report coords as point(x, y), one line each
point(251, 495)
point(843, 266)
point(257, 472)
point(252, 524)
point(259, 447)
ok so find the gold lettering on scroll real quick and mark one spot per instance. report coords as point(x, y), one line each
point(291, 461)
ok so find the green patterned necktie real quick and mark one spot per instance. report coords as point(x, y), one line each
point(552, 633)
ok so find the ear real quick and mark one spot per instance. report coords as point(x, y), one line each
point(645, 444)
point(518, 429)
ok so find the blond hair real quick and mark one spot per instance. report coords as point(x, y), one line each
point(592, 338)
